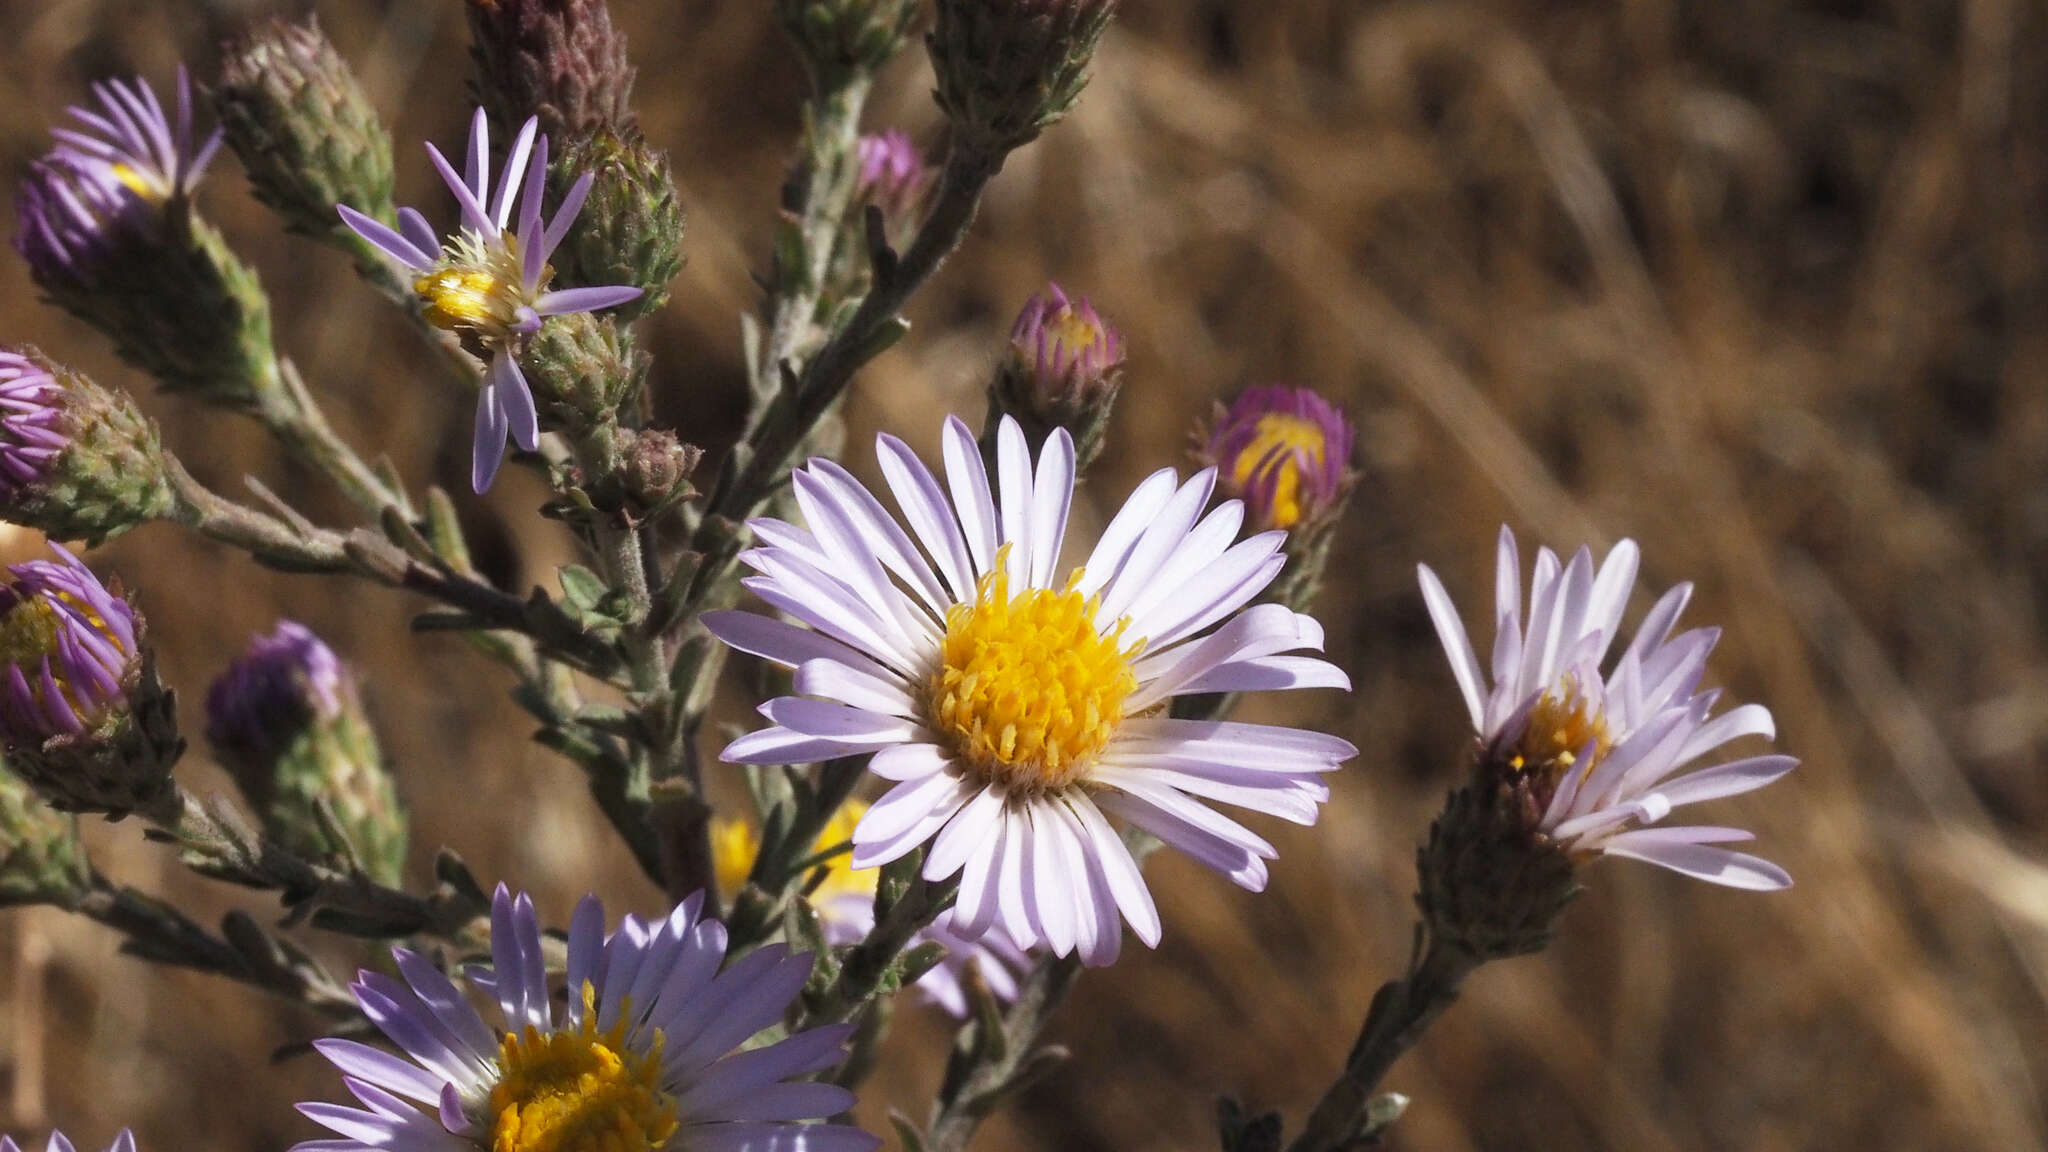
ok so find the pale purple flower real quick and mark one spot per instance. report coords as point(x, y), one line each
point(1607, 751)
point(32, 424)
point(490, 279)
point(126, 160)
point(645, 1048)
point(124, 1141)
point(1013, 708)
point(1286, 452)
point(69, 647)
point(893, 175)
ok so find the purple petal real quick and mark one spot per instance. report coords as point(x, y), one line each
point(489, 448)
point(584, 299)
point(400, 248)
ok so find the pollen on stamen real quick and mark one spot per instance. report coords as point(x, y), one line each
point(580, 1090)
point(1029, 690)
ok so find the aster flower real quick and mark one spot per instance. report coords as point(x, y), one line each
point(82, 715)
point(1604, 756)
point(1014, 709)
point(1286, 452)
point(31, 425)
point(287, 723)
point(489, 281)
point(642, 1055)
point(77, 461)
point(845, 902)
point(127, 159)
point(123, 1142)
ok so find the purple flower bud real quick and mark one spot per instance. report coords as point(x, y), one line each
point(1065, 346)
point(108, 176)
point(894, 176)
point(282, 683)
point(1286, 452)
point(32, 425)
point(68, 646)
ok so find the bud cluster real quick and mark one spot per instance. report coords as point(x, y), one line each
point(41, 858)
point(844, 38)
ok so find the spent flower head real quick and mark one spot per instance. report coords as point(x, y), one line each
point(1016, 709)
point(489, 281)
point(77, 461)
point(286, 721)
point(82, 715)
point(645, 1052)
point(845, 903)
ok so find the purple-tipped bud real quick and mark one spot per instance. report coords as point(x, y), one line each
point(895, 178)
point(82, 715)
point(1285, 452)
point(286, 721)
point(1063, 369)
point(560, 60)
point(77, 461)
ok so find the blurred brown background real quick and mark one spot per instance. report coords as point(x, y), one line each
point(1758, 283)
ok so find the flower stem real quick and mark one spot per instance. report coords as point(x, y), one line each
point(1401, 1011)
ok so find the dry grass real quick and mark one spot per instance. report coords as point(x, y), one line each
point(1760, 284)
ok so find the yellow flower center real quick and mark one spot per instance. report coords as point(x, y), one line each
point(1560, 729)
point(735, 843)
point(1072, 331)
point(1285, 445)
point(580, 1091)
point(29, 632)
point(1028, 690)
point(133, 181)
point(477, 286)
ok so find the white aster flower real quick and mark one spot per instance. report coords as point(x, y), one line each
point(844, 900)
point(1014, 707)
point(123, 1142)
point(1605, 753)
point(641, 1057)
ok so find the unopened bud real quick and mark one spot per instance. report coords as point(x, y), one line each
point(560, 60)
point(895, 177)
point(1285, 452)
point(655, 468)
point(1063, 369)
point(840, 39)
point(82, 714)
point(304, 129)
point(77, 461)
point(582, 368)
point(630, 231)
point(287, 723)
point(1008, 69)
point(41, 858)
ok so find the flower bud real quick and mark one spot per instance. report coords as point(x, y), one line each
point(582, 368)
point(630, 231)
point(560, 60)
point(287, 723)
point(41, 858)
point(894, 177)
point(305, 130)
point(655, 468)
point(77, 461)
point(107, 227)
point(82, 714)
point(844, 38)
point(1008, 69)
point(1285, 452)
point(1490, 885)
point(1063, 369)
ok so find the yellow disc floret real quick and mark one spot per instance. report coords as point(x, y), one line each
point(1028, 690)
point(1562, 727)
point(1285, 444)
point(580, 1090)
point(735, 843)
point(477, 287)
